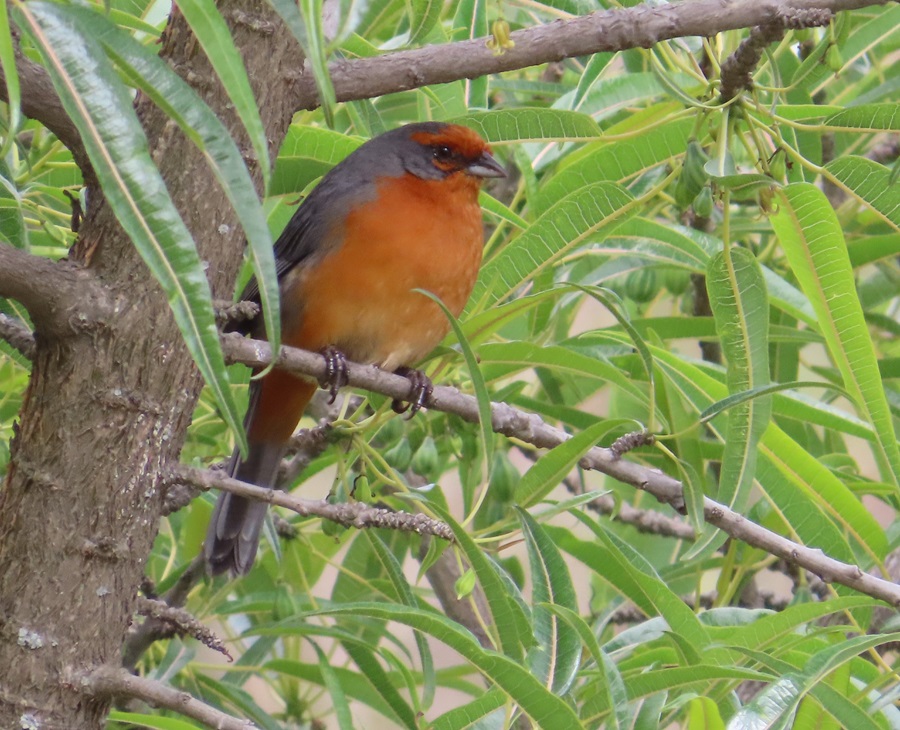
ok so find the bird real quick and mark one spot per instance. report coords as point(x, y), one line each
point(397, 215)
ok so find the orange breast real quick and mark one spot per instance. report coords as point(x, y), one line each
point(416, 234)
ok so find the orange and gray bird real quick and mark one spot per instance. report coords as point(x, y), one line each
point(398, 214)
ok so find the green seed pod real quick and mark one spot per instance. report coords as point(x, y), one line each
point(504, 478)
point(677, 280)
point(833, 58)
point(778, 166)
point(641, 285)
point(465, 584)
point(693, 175)
point(703, 204)
point(426, 459)
point(399, 455)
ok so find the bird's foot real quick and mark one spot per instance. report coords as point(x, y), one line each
point(420, 389)
point(336, 376)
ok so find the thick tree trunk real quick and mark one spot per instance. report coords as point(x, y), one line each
point(108, 405)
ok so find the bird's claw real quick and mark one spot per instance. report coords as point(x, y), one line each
point(336, 376)
point(420, 389)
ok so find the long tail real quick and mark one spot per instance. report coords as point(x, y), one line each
point(276, 405)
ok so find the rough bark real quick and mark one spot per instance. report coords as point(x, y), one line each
point(108, 405)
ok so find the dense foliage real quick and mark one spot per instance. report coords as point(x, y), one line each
point(721, 272)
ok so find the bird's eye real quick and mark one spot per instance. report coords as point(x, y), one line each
point(442, 153)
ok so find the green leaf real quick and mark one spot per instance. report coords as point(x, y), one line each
point(424, 14)
point(557, 656)
point(316, 52)
point(813, 240)
point(467, 715)
point(530, 125)
point(306, 154)
point(778, 703)
point(212, 33)
point(100, 107)
point(513, 627)
point(485, 419)
point(585, 214)
point(11, 80)
point(138, 719)
point(395, 574)
point(617, 161)
point(872, 117)
point(299, 21)
point(356, 687)
point(869, 182)
point(150, 74)
point(335, 690)
point(549, 470)
point(547, 710)
point(629, 574)
point(737, 295)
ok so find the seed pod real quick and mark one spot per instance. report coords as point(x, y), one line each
point(677, 280)
point(426, 459)
point(641, 285)
point(703, 204)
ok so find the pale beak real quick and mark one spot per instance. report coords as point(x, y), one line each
point(485, 166)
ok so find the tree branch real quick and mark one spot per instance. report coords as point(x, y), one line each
point(738, 67)
point(355, 514)
point(60, 296)
point(17, 335)
point(112, 682)
point(607, 30)
point(40, 102)
point(529, 427)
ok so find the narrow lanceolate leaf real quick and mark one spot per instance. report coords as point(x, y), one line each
point(148, 72)
point(471, 714)
point(335, 690)
point(870, 182)
point(100, 107)
point(317, 55)
point(11, 79)
point(311, 41)
point(585, 214)
point(617, 161)
point(872, 117)
point(737, 295)
point(423, 16)
point(212, 33)
point(557, 656)
point(813, 240)
point(548, 711)
point(395, 574)
point(549, 470)
point(531, 125)
point(510, 622)
point(778, 703)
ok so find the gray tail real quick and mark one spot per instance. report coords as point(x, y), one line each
point(236, 524)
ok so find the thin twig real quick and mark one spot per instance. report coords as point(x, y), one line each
point(181, 622)
point(113, 682)
point(355, 514)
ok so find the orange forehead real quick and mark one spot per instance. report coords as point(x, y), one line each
point(463, 140)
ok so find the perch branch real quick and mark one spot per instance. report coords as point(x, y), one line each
point(529, 427)
point(112, 682)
